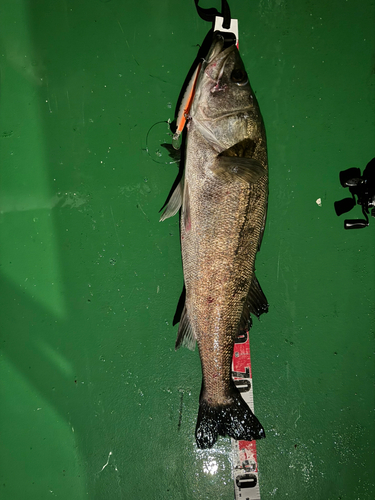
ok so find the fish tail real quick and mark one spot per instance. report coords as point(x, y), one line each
point(235, 420)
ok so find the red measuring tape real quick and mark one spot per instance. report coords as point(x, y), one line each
point(245, 464)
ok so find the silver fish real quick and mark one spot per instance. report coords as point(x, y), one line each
point(223, 200)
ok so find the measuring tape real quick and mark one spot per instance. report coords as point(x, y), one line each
point(245, 464)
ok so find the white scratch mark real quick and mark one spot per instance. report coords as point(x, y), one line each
point(278, 268)
point(131, 293)
point(144, 213)
point(107, 462)
point(121, 28)
point(114, 224)
point(299, 416)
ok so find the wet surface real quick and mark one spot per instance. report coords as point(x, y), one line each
point(95, 401)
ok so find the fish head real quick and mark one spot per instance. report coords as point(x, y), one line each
point(224, 104)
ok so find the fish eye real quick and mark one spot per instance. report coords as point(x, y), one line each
point(239, 76)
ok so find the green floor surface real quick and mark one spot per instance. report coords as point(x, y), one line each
point(95, 402)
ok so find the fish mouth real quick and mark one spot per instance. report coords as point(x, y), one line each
point(212, 69)
point(217, 56)
point(217, 48)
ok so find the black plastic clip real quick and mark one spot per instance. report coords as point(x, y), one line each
point(362, 187)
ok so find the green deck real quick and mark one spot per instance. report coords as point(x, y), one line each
point(95, 402)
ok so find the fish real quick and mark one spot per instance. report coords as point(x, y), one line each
point(222, 198)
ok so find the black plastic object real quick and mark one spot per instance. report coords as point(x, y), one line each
point(246, 481)
point(362, 187)
point(210, 14)
point(344, 205)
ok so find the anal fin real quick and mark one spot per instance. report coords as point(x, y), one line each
point(185, 334)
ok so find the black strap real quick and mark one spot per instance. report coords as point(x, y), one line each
point(210, 14)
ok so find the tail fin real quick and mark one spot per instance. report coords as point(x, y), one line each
point(235, 420)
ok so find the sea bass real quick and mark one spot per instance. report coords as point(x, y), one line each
point(223, 200)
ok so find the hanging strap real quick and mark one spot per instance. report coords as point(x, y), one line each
point(210, 14)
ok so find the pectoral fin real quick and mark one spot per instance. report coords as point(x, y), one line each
point(174, 203)
point(228, 168)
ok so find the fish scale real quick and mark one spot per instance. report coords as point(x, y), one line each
point(210, 255)
point(223, 199)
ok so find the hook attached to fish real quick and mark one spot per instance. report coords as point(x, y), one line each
point(228, 28)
